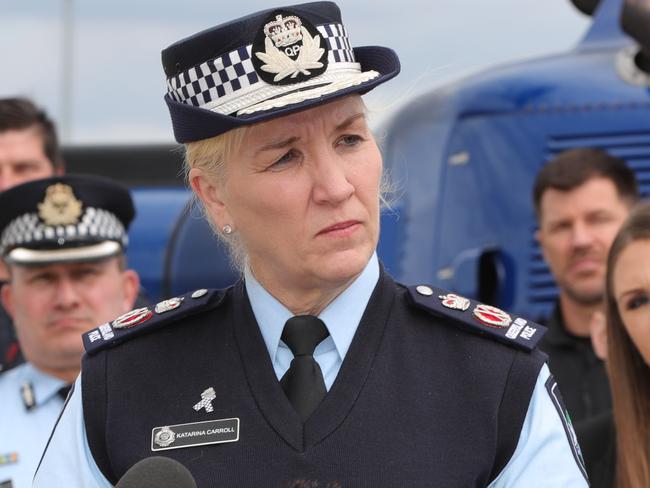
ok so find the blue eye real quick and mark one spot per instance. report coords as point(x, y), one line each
point(286, 158)
point(350, 140)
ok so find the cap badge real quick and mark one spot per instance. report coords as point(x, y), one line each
point(492, 316)
point(60, 206)
point(167, 305)
point(288, 50)
point(206, 400)
point(455, 302)
point(132, 318)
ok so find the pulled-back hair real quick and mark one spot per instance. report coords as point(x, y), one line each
point(22, 114)
point(573, 167)
point(628, 373)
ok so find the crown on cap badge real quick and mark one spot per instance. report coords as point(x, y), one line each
point(284, 31)
point(60, 207)
point(290, 50)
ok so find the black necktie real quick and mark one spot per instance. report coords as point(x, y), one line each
point(303, 382)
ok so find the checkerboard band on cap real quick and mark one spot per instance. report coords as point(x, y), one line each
point(229, 84)
point(95, 224)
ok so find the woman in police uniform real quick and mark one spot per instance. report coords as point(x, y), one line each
point(317, 365)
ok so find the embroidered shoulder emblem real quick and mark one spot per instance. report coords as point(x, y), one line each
point(142, 321)
point(477, 317)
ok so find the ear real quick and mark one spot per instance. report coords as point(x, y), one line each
point(598, 332)
point(212, 195)
point(131, 286)
point(7, 298)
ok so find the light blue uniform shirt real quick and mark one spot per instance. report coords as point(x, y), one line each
point(542, 458)
point(24, 433)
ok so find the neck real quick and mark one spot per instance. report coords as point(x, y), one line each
point(67, 375)
point(303, 300)
point(577, 316)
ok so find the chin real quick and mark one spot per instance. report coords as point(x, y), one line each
point(343, 266)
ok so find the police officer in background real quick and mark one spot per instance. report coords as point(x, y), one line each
point(29, 150)
point(63, 241)
point(317, 365)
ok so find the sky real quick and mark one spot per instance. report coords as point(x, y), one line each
point(111, 88)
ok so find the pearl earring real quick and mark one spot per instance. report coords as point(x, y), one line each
point(227, 229)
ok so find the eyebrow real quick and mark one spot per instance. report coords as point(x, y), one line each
point(626, 293)
point(277, 145)
point(291, 140)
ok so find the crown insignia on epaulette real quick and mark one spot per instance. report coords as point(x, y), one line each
point(60, 206)
point(284, 31)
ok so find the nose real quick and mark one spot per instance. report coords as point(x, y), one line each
point(331, 179)
point(581, 236)
point(67, 295)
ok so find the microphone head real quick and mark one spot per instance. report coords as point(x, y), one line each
point(157, 472)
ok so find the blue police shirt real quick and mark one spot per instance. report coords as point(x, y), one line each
point(543, 441)
point(24, 432)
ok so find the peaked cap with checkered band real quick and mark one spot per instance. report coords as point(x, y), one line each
point(266, 65)
point(68, 218)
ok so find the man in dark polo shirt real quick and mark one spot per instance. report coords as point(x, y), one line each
point(581, 199)
point(29, 150)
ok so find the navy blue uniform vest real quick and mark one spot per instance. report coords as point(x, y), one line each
point(417, 402)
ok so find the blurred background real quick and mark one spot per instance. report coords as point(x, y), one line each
point(95, 66)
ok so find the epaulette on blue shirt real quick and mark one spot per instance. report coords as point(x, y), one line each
point(144, 320)
point(478, 318)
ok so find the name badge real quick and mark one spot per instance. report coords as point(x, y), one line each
point(194, 434)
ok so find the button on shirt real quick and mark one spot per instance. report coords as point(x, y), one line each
point(24, 433)
point(542, 443)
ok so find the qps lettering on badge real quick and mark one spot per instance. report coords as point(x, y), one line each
point(194, 434)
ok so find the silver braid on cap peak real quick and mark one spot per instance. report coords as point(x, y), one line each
point(94, 225)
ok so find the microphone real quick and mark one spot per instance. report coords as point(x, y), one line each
point(157, 472)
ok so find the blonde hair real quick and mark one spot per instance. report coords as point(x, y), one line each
point(629, 375)
point(210, 155)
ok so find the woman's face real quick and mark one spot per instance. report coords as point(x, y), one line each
point(631, 284)
point(303, 194)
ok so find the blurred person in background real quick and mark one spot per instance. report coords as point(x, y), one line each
point(316, 365)
point(63, 240)
point(581, 198)
point(617, 447)
point(29, 150)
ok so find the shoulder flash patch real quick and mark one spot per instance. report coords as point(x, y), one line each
point(476, 317)
point(144, 320)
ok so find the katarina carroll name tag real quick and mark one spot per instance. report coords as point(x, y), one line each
point(194, 434)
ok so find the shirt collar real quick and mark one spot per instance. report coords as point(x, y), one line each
point(43, 385)
point(341, 316)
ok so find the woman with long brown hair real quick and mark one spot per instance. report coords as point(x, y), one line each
point(623, 459)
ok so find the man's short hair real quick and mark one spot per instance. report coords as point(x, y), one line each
point(21, 114)
point(570, 169)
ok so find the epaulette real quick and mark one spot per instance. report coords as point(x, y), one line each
point(144, 320)
point(478, 318)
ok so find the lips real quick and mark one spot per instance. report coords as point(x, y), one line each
point(68, 322)
point(340, 228)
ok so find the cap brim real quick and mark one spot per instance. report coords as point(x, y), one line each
point(193, 123)
point(38, 257)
